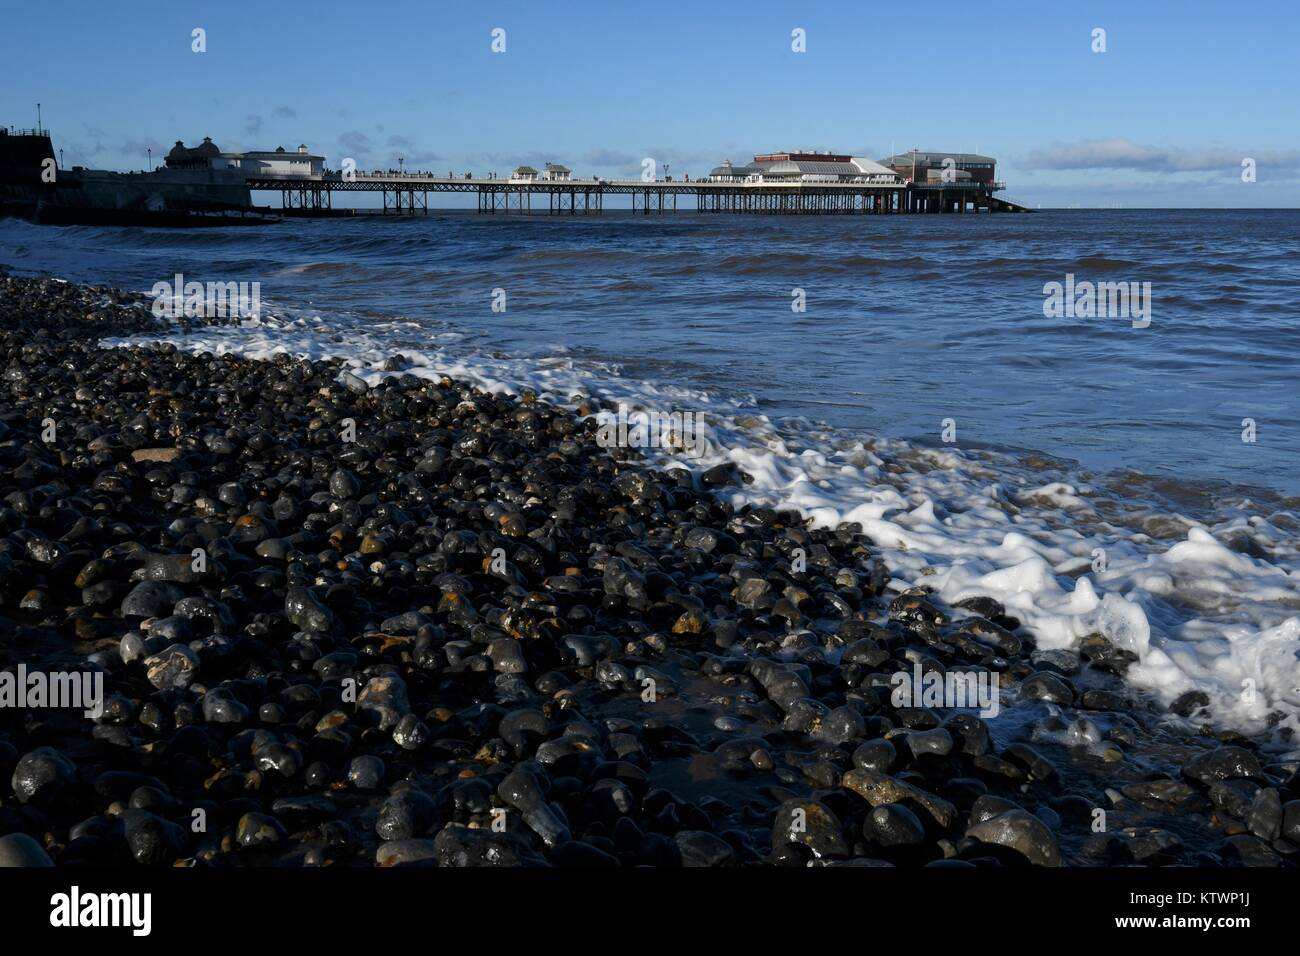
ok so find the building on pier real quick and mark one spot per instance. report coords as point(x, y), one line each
point(805, 167)
point(524, 174)
point(929, 166)
point(193, 157)
point(555, 173)
point(277, 162)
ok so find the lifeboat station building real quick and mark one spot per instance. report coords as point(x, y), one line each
point(928, 166)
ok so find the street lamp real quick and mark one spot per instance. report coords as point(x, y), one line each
point(400, 161)
point(149, 150)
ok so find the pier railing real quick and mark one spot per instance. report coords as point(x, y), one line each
point(967, 184)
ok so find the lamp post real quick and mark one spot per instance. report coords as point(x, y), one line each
point(149, 151)
point(401, 160)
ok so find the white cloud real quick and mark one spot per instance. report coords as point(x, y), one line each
point(1122, 153)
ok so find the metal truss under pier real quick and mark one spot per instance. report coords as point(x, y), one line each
point(407, 194)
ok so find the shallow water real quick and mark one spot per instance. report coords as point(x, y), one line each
point(1073, 436)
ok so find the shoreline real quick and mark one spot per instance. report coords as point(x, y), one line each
point(513, 681)
point(966, 521)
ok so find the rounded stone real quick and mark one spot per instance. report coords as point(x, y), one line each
point(18, 849)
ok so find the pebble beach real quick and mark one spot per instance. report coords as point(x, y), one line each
point(348, 623)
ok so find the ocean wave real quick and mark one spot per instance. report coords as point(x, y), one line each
point(1101, 263)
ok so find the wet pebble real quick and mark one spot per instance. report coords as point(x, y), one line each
point(892, 824)
point(366, 772)
point(173, 668)
point(260, 829)
point(42, 776)
point(1022, 832)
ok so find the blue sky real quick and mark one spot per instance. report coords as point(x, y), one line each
point(1184, 92)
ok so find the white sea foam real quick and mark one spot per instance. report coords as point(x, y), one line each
point(1198, 613)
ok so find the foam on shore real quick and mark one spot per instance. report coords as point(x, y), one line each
point(1210, 605)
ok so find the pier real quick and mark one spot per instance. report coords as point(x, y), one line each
point(204, 180)
point(789, 182)
point(408, 194)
